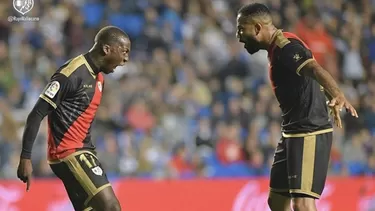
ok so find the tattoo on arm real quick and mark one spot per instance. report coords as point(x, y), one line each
point(323, 77)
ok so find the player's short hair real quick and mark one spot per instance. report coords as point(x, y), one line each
point(110, 35)
point(255, 10)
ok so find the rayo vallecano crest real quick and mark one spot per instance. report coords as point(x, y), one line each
point(23, 6)
point(100, 86)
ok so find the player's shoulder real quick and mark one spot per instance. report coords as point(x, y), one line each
point(72, 66)
point(294, 41)
point(291, 36)
point(288, 43)
point(283, 40)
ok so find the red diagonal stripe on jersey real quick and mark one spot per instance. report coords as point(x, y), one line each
point(73, 138)
point(51, 142)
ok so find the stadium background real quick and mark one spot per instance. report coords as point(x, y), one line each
point(191, 103)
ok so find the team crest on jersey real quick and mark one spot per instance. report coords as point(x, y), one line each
point(297, 57)
point(100, 86)
point(97, 171)
point(52, 89)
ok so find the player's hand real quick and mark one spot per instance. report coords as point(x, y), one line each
point(24, 172)
point(337, 104)
point(340, 102)
point(335, 112)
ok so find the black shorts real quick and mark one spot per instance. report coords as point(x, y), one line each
point(300, 164)
point(83, 177)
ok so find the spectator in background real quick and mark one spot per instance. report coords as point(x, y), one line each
point(235, 112)
point(150, 38)
point(7, 79)
point(369, 112)
point(195, 90)
point(354, 156)
point(8, 134)
point(353, 68)
point(74, 32)
point(180, 165)
point(204, 136)
point(4, 24)
point(229, 149)
point(257, 164)
point(140, 117)
point(217, 114)
point(148, 155)
point(110, 153)
point(372, 41)
point(370, 170)
point(312, 31)
point(237, 66)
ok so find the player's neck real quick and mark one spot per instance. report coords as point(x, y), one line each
point(268, 40)
point(96, 58)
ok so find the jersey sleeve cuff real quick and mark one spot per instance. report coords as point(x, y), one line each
point(48, 101)
point(302, 65)
point(25, 155)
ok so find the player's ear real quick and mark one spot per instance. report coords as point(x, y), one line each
point(106, 49)
point(258, 28)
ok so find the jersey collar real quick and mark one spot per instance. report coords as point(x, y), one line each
point(273, 38)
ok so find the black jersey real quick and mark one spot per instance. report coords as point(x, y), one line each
point(302, 100)
point(75, 92)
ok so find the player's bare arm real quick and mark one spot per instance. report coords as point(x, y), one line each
point(328, 95)
point(333, 92)
point(324, 78)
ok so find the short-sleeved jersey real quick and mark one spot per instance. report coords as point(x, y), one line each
point(75, 91)
point(302, 99)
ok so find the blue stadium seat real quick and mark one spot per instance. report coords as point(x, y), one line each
point(93, 14)
point(187, 175)
point(171, 17)
point(211, 160)
point(356, 168)
point(233, 170)
point(336, 167)
point(36, 39)
point(132, 24)
point(204, 112)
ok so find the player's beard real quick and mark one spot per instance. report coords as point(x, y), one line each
point(251, 47)
point(108, 70)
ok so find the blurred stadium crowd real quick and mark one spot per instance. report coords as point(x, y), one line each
point(192, 102)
